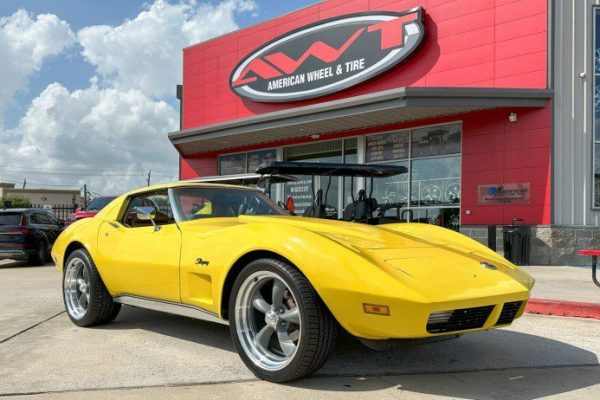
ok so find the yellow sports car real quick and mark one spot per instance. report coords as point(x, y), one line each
point(284, 284)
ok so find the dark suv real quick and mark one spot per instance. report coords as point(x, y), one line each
point(28, 234)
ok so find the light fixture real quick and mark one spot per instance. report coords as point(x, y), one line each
point(376, 309)
point(315, 136)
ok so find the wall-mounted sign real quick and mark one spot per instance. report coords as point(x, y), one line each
point(507, 193)
point(328, 56)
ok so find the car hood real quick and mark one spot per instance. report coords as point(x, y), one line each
point(364, 236)
point(423, 256)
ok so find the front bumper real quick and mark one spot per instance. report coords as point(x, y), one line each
point(411, 319)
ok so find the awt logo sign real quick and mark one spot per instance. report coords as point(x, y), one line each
point(329, 56)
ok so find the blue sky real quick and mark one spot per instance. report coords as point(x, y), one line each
point(82, 82)
point(71, 70)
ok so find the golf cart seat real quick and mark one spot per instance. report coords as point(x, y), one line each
point(317, 210)
point(360, 209)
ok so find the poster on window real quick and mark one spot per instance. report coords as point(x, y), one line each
point(232, 164)
point(387, 147)
point(301, 191)
point(505, 193)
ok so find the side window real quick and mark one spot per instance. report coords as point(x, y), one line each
point(34, 218)
point(158, 200)
point(45, 219)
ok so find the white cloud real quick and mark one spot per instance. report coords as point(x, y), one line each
point(25, 44)
point(145, 52)
point(119, 125)
point(110, 131)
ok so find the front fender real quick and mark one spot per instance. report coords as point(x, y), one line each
point(84, 232)
point(343, 278)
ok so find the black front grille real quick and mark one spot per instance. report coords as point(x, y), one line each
point(463, 319)
point(509, 311)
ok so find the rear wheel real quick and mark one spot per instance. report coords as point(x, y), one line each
point(86, 299)
point(279, 325)
point(41, 254)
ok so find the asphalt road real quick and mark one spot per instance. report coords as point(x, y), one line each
point(146, 354)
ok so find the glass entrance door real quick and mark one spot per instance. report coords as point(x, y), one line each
point(302, 190)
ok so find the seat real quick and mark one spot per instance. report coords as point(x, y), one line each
point(361, 209)
point(317, 210)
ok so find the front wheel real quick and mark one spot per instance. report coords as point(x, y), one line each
point(86, 299)
point(279, 325)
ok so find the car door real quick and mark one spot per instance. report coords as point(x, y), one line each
point(51, 227)
point(141, 259)
point(208, 220)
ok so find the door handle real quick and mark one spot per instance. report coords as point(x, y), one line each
point(114, 224)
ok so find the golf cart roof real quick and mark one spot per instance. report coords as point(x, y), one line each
point(330, 169)
point(243, 179)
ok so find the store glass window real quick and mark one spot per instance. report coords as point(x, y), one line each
point(256, 158)
point(596, 139)
point(435, 141)
point(432, 157)
point(350, 157)
point(301, 191)
point(244, 163)
point(435, 181)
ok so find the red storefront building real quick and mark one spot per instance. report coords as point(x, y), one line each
point(459, 92)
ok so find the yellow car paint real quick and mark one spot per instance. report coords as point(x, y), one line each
point(414, 269)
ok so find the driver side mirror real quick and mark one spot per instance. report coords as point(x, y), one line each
point(146, 214)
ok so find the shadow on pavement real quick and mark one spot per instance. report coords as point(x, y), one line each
point(518, 384)
point(496, 364)
point(193, 330)
point(7, 264)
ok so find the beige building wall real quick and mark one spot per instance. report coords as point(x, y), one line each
point(45, 196)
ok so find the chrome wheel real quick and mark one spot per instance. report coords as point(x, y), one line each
point(76, 288)
point(268, 321)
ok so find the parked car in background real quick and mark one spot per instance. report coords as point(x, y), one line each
point(92, 209)
point(28, 234)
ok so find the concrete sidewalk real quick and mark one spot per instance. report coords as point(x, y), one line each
point(564, 283)
point(564, 291)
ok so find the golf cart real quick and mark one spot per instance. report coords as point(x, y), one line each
point(262, 182)
point(363, 206)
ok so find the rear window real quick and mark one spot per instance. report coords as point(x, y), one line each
point(10, 218)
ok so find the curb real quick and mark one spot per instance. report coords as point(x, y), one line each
point(563, 308)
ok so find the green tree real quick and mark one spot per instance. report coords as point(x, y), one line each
point(15, 201)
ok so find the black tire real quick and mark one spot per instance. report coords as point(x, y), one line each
point(41, 254)
point(318, 330)
point(101, 308)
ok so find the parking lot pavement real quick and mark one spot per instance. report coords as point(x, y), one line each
point(28, 295)
point(145, 354)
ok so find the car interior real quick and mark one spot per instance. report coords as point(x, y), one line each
point(163, 216)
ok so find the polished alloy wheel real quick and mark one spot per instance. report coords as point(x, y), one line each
point(76, 288)
point(268, 321)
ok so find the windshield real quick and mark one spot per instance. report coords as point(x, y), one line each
point(98, 203)
point(207, 202)
point(10, 218)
